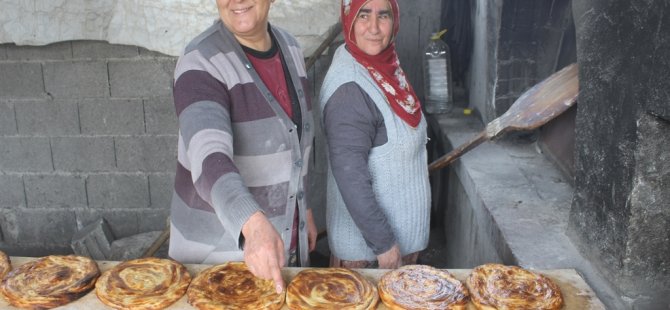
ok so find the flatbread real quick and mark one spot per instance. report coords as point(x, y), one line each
point(496, 286)
point(143, 284)
point(232, 286)
point(5, 265)
point(50, 281)
point(422, 287)
point(331, 288)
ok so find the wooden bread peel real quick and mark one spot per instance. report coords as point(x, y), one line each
point(538, 105)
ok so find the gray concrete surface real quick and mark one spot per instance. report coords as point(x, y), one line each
point(509, 204)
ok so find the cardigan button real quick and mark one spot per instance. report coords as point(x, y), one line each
point(302, 225)
point(298, 163)
point(301, 194)
point(307, 127)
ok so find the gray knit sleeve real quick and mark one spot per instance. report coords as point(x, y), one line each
point(353, 125)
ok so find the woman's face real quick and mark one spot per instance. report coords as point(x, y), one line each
point(373, 27)
point(246, 19)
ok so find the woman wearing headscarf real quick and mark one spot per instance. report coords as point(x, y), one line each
point(245, 134)
point(378, 200)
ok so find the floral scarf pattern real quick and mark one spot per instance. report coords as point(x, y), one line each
point(384, 67)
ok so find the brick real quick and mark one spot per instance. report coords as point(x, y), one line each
point(47, 117)
point(111, 116)
point(141, 78)
point(94, 240)
point(125, 223)
point(102, 50)
point(46, 228)
point(55, 191)
point(83, 153)
point(7, 119)
point(11, 191)
point(55, 51)
point(117, 191)
point(146, 153)
point(25, 154)
point(21, 80)
point(76, 79)
point(160, 116)
point(160, 188)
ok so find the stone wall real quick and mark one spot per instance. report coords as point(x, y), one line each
point(516, 44)
point(87, 130)
point(620, 213)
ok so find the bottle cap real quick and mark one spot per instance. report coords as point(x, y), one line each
point(437, 36)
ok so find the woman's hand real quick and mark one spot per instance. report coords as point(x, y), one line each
point(263, 249)
point(312, 233)
point(390, 259)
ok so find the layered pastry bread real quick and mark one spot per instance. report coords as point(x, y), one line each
point(331, 288)
point(143, 284)
point(422, 287)
point(496, 286)
point(50, 281)
point(232, 286)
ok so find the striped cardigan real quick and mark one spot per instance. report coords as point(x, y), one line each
point(238, 151)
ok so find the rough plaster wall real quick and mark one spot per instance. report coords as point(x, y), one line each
point(619, 215)
point(165, 26)
point(486, 23)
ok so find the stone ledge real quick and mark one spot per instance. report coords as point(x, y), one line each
point(519, 203)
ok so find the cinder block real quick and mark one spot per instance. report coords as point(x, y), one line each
point(146, 153)
point(154, 219)
point(47, 117)
point(76, 79)
point(161, 186)
point(133, 247)
point(102, 50)
point(55, 191)
point(46, 227)
point(25, 154)
point(83, 153)
point(160, 116)
point(125, 222)
point(55, 51)
point(94, 240)
point(117, 191)
point(106, 116)
point(146, 53)
point(143, 78)
point(7, 119)
point(11, 191)
point(21, 80)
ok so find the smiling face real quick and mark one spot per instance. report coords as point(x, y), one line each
point(373, 27)
point(246, 19)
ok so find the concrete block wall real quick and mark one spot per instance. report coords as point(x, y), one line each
point(87, 130)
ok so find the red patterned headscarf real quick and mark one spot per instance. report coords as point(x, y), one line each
point(384, 67)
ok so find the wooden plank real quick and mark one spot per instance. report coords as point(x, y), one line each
point(576, 293)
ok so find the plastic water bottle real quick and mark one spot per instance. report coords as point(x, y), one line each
point(437, 76)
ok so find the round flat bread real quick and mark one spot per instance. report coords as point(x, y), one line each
point(422, 287)
point(5, 265)
point(232, 286)
point(143, 284)
point(50, 281)
point(330, 288)
point(496, 286)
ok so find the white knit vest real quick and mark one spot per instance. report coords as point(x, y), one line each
point(398, 169)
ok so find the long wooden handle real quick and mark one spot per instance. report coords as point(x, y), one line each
point(457, 152)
